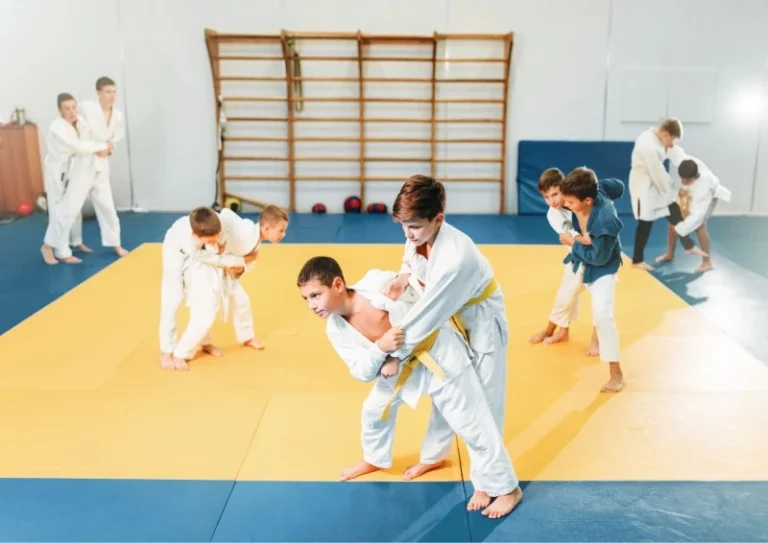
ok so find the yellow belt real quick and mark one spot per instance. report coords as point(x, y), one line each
point(421, 352)
point(420, 355)
point(488, 291)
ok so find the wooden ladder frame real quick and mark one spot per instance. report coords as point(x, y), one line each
point(214, 40)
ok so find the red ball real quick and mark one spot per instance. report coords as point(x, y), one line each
point(352, 204)
point(24, 209)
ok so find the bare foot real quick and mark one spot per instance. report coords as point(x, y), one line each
point(642, 266)
point(560, 335)
point(614, 384)
point(254, 344)
point(180, 364)
point(538, 337)
point(697, 251)
point(166, 362)
point(121, 252)
point(479, 500)
point(83, 248)
point(48, 257)
point(71, 260)
point(665, 258)
point(503, 505)
point(705, 267)
point(359, 469)
point(417, 470)
point(212, 350)
point(594, 345)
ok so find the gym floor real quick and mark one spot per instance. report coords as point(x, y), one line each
point(100, 444)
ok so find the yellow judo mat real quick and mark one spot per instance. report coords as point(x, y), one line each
point(82, 394)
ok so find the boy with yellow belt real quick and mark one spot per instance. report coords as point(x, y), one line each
point(457, 286)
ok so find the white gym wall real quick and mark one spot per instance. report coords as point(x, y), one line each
point(581, 69)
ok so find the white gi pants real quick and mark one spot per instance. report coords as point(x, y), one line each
point(462, 404)
point(602, 293)
point(55, 185)
point(68, 214)
point(566, 307)
point(205, 288)
point(491, 371)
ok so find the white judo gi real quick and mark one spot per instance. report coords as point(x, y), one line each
point(458, 396)
point(101, 194)
point(705, 192)
point(68, 163)
point(196, 273)
point(650, 187)
point(451, 280)
point(566, 307)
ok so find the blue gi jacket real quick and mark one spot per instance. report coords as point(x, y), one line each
point(603, 257)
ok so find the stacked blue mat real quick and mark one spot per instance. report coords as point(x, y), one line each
point(606, 158)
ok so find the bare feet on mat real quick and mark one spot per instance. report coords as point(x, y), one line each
point(121, 252)
point(48, 257)
point(212, 350)
point(359, 469)
point(503, 505)
point(557, 337)
point(166, 362)
point(705, 267)
point(479, 500)
point(697, 251)
point(180, 364)
point(417, 470)
point(614, 384)
point(71, 260)
point(254, 344)
point(539, 337)
point(642, 266)
point(664, 258)
point(83, 248)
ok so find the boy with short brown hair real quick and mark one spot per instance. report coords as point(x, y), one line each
point(203, 257)
point(566, 306)
point(457, 284)
point(595, 266)
point(363, 325)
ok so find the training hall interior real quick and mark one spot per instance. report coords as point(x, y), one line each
point(604, 166)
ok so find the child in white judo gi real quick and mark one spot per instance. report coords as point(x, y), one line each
point(68, 170)
point(85, 180)
point(203, 258)
point(566, 307)
point(704, 191)
point(596, 265)
point(363, 329)
point(107, 124)
point(457, 284)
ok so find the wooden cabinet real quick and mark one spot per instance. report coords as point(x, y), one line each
point(21, 175)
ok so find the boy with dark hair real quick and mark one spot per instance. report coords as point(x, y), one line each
point(194, 267)
point(566, 306)
point(363, 326)
point(703, 190)
point(595, 266)
point(107, 124)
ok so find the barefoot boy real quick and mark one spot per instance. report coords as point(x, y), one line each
point(705, 191)
point(596, 265)
point(363, 329)
point(203, 257)
point(458, 286)
point(566, 306)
